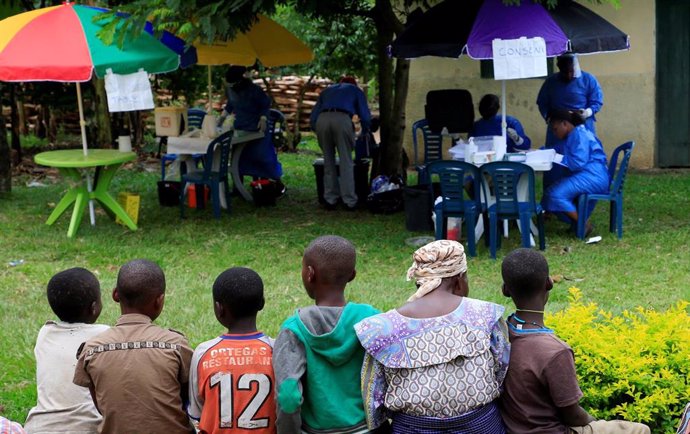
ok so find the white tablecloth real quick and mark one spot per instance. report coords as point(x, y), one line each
point(186, 146)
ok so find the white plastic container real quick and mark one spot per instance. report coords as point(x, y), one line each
point(124, 143)
point(491, 143)
point(471, 149)
point(208, 126)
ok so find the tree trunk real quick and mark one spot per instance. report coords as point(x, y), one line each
point(42, 121)
point(393, 85)
point(136, 128)
point(104, 135)
point(5, 163)
point(14, 119)
point(388, 162)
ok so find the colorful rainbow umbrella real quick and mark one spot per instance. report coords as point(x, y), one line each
point(60, 43)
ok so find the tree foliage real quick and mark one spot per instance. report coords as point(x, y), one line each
point(343, 46)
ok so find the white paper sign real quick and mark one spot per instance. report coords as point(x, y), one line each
point(128, 92)
point(519, 58)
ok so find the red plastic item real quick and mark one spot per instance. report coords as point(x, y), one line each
point(191, 195)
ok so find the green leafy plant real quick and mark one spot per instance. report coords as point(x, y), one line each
point(632, 366)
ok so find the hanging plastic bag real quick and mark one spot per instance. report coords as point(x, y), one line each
point(128, 92)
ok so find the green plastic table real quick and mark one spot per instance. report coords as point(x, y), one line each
point(70, 162)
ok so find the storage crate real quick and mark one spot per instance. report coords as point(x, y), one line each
point(130, 203)
point(170, 121)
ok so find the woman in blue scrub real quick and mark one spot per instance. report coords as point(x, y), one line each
point(570, 89)
point(490, 125)
point(583, 164)
point(250, 105)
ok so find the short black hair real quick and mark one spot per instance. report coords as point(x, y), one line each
point(334, 257)
point(139, 281)
point(571, 116)
point(489, 105)
point(235, 73)
point(525, 272)
point(71, 293)
point(240, 290)
point(565, 61)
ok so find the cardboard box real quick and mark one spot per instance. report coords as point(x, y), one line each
point(170, 121)
point(130, 203)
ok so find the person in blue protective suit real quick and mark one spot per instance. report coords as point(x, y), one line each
point(331, 119)
point(571, 89)
point(249, 106)
point(490, 125)
point(583, 162)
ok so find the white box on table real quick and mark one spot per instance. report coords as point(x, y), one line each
point(491, 143)
point(170, 121)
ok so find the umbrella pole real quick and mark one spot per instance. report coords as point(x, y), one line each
point(504, 124)
point(82, 125)
point(210, 90)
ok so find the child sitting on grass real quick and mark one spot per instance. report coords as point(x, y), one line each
point(231, 377)
point(74, 296)
point(541, 393)
point(317, 357)
point(136, 371)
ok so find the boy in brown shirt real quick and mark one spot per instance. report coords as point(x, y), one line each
point(541, 394)
point(136, 371)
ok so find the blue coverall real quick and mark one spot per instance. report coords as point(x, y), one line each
point(579, 93)
point(249, 102)
point(492, 127)
point(582, 170)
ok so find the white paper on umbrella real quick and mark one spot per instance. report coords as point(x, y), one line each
point(519, 58)
point(128, 92)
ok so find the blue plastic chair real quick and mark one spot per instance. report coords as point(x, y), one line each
point(195, 117)
point(210, 177)
point(505, 177)
point(456, 202)
point(615, 194)
point(433, 147)
point(276, 117)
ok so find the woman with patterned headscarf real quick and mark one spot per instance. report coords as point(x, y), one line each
point(437, 363)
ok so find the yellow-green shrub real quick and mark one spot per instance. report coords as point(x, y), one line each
point(632, 366)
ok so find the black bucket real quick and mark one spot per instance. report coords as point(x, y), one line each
point(169, 193)
point(418, 208)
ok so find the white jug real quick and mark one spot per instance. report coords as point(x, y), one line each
point(208, 126)
point(124, 143)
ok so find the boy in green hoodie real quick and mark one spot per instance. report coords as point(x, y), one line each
point(317, 357)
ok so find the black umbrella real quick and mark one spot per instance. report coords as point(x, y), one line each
point(457, 27)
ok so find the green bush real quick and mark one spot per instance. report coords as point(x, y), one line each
point(633, 366)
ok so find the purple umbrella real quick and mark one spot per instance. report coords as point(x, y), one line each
point(457, 27)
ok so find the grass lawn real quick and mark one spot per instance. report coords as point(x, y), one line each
point(648, 267)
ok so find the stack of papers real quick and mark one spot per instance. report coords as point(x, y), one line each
point(541, 159)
